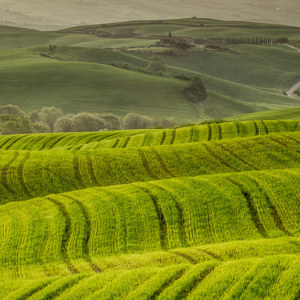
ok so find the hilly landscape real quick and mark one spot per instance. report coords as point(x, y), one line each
point(131, 169)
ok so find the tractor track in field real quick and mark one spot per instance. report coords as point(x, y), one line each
point(265, 127)
point(236, 156)
point(66, 234)
point(179, 208)
point(188, 258)
point(191, 135)
point(209, 133)
point(219, 159)
point(173, 137)
point(163, 229)
point(56, 142)
point(126, 142)
point(15, 141)
point(4, 173)
point(168, 283)
point(162, 163)
point(163, 138)
point(146, 164)
point(256, 128)
point(252, 208)
point(47, 142)
point(87, 237)
point(92, 169)
point(275, 214)
point(35, 290)
point(5, 142)
point(20, 173)
point(198, 281)
point(77, 170)
point(211, 254)
point(220, 132)
point(116, 143)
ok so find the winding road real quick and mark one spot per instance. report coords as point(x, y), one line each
point(291, 91)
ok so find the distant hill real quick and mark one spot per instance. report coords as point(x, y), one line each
point(75, 12)
point(281, 114)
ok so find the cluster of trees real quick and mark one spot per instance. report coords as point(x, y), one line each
point(51, 119)
point(254, 41)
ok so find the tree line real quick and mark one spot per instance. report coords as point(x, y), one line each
point(253, 41)
point(51, 119)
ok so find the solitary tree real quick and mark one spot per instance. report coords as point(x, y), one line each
point(195, 90)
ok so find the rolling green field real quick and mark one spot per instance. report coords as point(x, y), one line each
point(199, 212)
point(203, 211)
point(90, 72)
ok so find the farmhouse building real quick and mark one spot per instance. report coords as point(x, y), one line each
point(171, 41)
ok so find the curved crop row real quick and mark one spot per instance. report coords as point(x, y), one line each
point(254, 278)
point(140, 138)
point(29, 174)
point(150, 216)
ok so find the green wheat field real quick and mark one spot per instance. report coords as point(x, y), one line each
point(208, 209)
point(200, 212)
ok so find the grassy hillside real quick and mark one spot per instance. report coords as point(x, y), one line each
point(150, 137)
point(190, 215)
point(82, 86)
point(82, 79)
point(283, 114)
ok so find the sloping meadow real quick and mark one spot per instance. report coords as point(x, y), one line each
point(202, 212)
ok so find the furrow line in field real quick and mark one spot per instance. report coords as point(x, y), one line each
point(220, 132)
point(15, 141)
point(209, 132)
point(87, 236)
point(168, 283)
point(211, 254)
point(198, 281)
point(162, 163)
point(219, 159)
point(5, 142)
point(179, 208)
point(191, 135)
point(173, 137)
point(5, 173)
point(252, 208)
point(275, 213)
point(163, 230)
point(265, 127)
point(126, 142)
point(236, 156)
point(92, 170)
point(56, 142)
point(89, 141)
point(186, 257)
point(46, 143)
point(66, 235)
point(20, 172)
point(146, 164)
point(163, 138)
point(116, 143)
point(34, 290)
point(77, 170)
point(256, 128)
